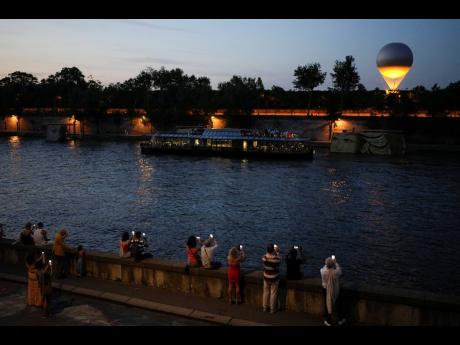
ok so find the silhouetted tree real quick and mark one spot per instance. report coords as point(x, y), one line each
point(239, 98)
point(177, 96)
point(345, 77)
point(333, 105)
point(452, 96)
point(18, 90)
point(307, 78)
point(276, 96)
point(435, 102)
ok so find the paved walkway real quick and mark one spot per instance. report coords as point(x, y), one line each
point(67, 309)
point(161, 300)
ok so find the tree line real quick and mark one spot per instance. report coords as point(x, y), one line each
point(171, 97)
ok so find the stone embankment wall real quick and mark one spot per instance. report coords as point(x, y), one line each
point(36, 125)
point(365, 304)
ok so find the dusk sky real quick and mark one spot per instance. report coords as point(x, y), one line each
point(116, 50)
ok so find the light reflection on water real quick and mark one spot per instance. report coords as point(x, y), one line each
point(390, 221)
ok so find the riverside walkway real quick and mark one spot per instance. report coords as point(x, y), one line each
point(180, 305)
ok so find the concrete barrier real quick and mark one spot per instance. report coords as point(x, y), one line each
point(364, 304)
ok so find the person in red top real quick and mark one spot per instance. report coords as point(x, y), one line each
point(234, 273)
point(192, 250)
point(123, 245)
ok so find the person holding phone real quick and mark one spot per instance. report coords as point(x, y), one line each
point(123, 245)
point(234, 273)
point(330, 275)
point(60, 249)
point(207, 253)
point(137, 246)
point(38, 281)
point(271, 261)
point(192, 250)
point(294, 260)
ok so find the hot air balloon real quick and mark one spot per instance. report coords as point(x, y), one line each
point(394, 61)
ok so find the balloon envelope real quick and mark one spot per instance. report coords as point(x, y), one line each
point(394, 61)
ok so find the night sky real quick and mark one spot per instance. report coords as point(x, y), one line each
point(115, 50)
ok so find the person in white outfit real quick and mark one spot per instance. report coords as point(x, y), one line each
point(40, 235)
point(330, 275)
point(207, 253)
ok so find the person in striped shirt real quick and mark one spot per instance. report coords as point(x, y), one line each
point(271, 261)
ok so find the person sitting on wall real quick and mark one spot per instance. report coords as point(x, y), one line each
point(124, 245)
point(40, 235)
point(26, 237)
point(207, 253)
point(137, 247)
point(192, 248)
point(330, 275)
point(293, 263)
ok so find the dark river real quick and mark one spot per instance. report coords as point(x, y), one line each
point(389, 221)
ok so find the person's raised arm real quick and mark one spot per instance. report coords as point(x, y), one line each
point(338, 269)
point(242, 255)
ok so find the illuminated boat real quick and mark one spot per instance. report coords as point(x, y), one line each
point(229, 142)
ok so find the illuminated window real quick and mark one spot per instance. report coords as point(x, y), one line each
point(245, 145)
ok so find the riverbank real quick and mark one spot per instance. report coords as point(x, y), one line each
point(363, 304)
point(102, 137)
point(317, 144)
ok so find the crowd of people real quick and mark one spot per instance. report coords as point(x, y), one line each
point(269, 133)
point(272, 259)
point(40, 270)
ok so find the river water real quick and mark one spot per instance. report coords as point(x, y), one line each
point(389, 221)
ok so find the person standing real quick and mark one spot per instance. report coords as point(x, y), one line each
point(330, 274)
point(207, 253)
point(124, 246)
point(192, 249)
point(271, 261)
point(294, 260)
point(59, 251)
point(234, 273)
point(81, 264)
point(34, 296)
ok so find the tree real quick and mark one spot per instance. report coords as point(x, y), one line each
point(452, 92)
point(333, 104)
point(377, 99)
point(179, 99)
point(65, 88)
point(436, 105)
point(345, 77)
point(18, 90)
point(276, 96)
point(239, 98)
point(307, 78)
